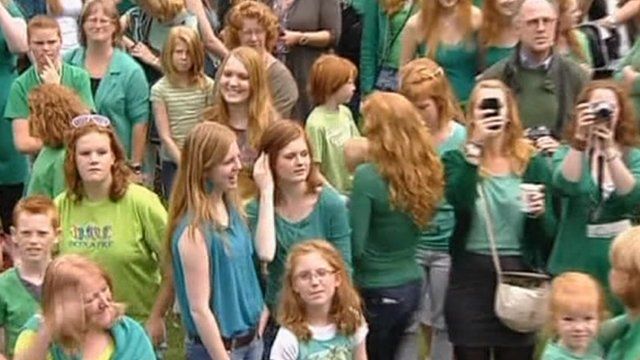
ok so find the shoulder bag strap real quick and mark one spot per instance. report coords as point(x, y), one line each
point(395, 36)
point(490, 233)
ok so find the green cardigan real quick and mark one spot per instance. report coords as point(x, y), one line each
point(565, 77)
point(538, 232)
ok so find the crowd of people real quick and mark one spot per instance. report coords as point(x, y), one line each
point(318, 179)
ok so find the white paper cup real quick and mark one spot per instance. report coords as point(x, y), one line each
point(527, 193)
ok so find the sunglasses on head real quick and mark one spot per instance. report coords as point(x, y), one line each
point(82, 120)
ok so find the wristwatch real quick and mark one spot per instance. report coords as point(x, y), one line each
point(304, 40)
point(135, 167)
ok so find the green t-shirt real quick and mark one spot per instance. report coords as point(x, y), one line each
point(384, 239)
point(47, 174)
point(537, 100)
point(122, 95)
point(555, 351)
point(503, 200)
point(184, 107)
point(73, 77)
point(395, 28)
point(436, 236)
point(328, 220)
point(17, 305)
point(328, 131)
point(125, 237)
point(627, 346)
point(13, 165)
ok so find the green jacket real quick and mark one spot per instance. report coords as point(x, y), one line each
point(565, 77)
point(538, 232)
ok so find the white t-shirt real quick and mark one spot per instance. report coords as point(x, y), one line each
point(68, 22)
point(325, 343)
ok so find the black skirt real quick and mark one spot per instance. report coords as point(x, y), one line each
point(469, 304)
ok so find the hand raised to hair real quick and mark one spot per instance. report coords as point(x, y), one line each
point(262, 173)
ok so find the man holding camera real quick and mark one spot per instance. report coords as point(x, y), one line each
point(545, 84)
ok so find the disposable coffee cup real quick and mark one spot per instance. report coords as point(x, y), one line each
point(528, 192)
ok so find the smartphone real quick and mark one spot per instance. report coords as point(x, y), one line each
point(491, 104)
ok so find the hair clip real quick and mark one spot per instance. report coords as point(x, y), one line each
point(82, 120)
point(428, 74)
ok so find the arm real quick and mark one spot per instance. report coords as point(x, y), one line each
point(155, 325)
point(355, 152)
point(360, 352)
point(24, 142)
point(211, 42)
point(411, 38)
point(369, 46)
point(15, 31)
point(195, 260)
point(265, 233)
point(622, 14)
point(339, 231)
point(360, 213)
point(164, 131)
point(622, 177)
point(331, 22)
point(2, 339)
point(459, 174)
point(137, 98)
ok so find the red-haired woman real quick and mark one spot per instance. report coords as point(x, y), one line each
point(446, 31)
point(293, 204)
point(80, 318)
point(498, 36)
point(253, 24)
point(113, 221)
point(598, 177)
point(389, 206)
point(496, 160)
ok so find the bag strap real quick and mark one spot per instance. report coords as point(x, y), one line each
point(397, 34)
point(489, 225)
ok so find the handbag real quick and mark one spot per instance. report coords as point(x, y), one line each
point(387, 77)
point(522, 297)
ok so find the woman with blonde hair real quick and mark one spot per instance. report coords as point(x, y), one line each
point(320, 310)
point(52, 108)
point(80, 318)
point(389, 206)
point(597, 177)
point(446, 31)
point(293, 205)
point(242, 102)
point(210, 250)
point(498, 36)
point(424, 83)
point(179, 97)
point(484, 187)
point(383, 23)
point(118, 84)
point(252, 23)
point(117, 223)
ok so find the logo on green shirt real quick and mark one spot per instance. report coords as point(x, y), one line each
point(91, 236)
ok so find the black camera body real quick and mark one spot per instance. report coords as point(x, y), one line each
point(603, 110)
point(537, 132)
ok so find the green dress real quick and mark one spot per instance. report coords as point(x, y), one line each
point(493, 54)
point(574, 249)
point(13, 165)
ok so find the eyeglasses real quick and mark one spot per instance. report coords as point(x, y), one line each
point(82, 120)
point(321, 274)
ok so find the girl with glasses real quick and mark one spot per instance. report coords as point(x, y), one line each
point(320, 311)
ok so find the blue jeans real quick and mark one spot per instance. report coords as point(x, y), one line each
point(389, 312)
point(430, 312)
point(253, 351)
